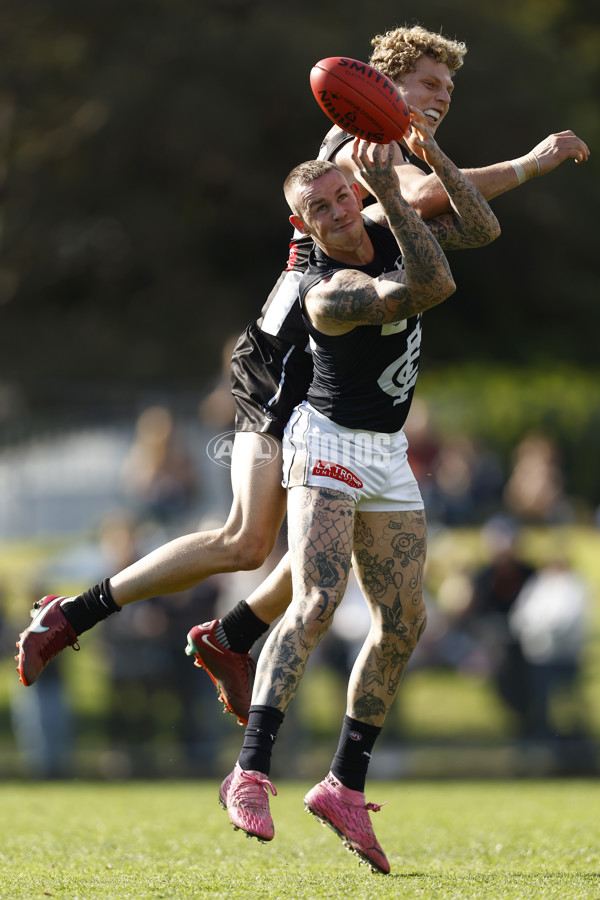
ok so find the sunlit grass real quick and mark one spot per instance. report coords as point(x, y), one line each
point(165, 840)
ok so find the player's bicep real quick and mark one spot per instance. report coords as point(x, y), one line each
point(352, 298)
point(409, 176)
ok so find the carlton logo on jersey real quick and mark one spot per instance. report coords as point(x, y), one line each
point(340, 473)
point(398, 379)
point(395, 327)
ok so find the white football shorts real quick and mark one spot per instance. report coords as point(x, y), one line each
point(370, 466)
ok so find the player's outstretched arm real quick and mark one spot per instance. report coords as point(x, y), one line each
point(427, 196)
point(471, 222)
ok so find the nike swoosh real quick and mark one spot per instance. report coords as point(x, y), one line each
point(36, 624)
point(206, 640)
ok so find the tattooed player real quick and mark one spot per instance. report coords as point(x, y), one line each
point(351, 493)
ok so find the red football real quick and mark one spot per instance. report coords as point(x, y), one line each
point(360, 99)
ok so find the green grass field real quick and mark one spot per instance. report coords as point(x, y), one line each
point(513, 839)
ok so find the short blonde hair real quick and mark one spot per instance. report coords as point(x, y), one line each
point(397, 52)
point(304, 174)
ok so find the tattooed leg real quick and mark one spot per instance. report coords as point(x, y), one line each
point(389, 554)
point(321, 529)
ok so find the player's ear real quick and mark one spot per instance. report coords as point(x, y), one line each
point(299, 225)
point(356, 191)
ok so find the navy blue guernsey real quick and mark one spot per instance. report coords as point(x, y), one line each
point(364, 379)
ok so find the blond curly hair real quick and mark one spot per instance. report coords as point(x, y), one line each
point(397, 52)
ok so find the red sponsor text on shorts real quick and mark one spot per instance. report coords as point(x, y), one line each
point(340, 473)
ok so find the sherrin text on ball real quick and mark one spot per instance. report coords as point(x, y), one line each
point(360, 99)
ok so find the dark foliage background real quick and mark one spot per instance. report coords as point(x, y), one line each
point(142, 151)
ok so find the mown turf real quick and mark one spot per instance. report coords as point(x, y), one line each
point(163, 839)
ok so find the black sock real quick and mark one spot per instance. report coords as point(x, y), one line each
point(353, 755)
point(240, 628)
point(89, 608)
point(261, 732)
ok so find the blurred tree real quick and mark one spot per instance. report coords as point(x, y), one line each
point(143, 147)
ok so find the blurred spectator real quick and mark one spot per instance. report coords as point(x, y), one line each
point(548, 621)
point(42, 720)
point(494, 590)
point(43, 725)
point(448, 642)
point(468, 482)
point(217, 409)
point(154, 692)
point(534, 491)
point(460, 479)
point(423, 447)
point(153, 688)
point(158, 472)
point(6, 642)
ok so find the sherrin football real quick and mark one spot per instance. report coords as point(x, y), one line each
point(359, 99)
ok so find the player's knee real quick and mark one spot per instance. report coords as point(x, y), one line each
point(249, 551)
point(409, 628)
point(318, 614)
point(417, 629)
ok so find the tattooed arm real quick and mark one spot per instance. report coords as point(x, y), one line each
point(471, 223)
point(427, 195)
